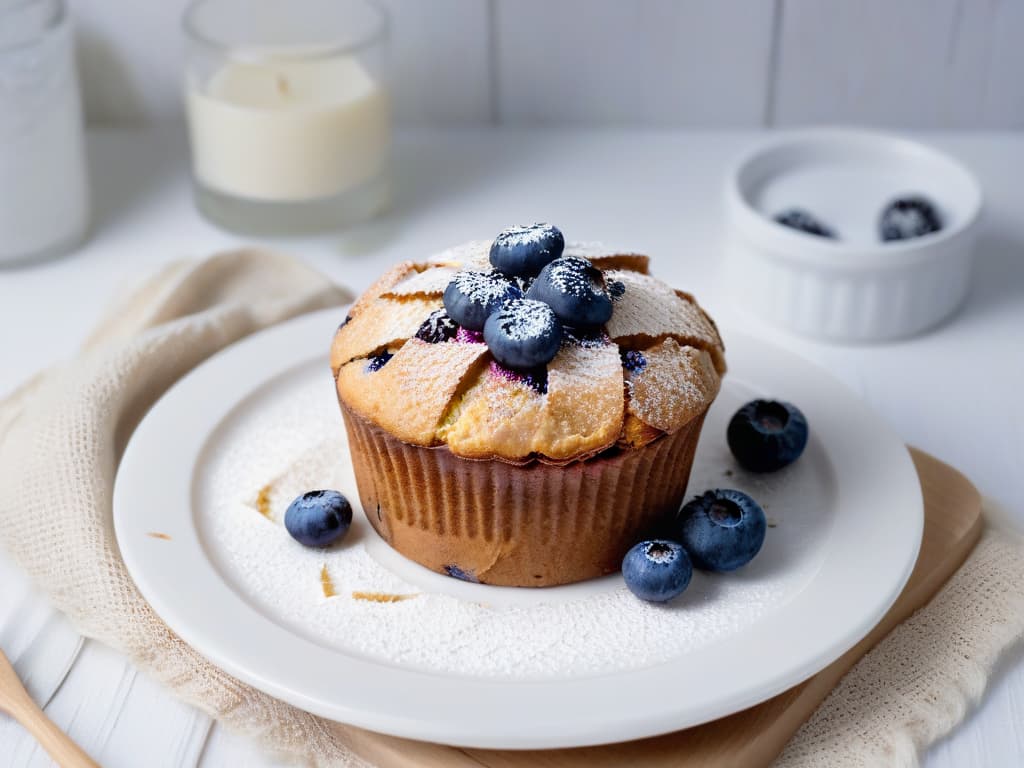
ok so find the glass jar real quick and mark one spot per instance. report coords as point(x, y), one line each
point(44, 192)
point(288, 112)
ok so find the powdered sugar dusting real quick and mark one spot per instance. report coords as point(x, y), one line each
point(472, 255)
point(526, 319)
point(521, 235)
point(672, 386)
point(650, 308)
point(575, 277)
point(483, 287)
point(429, 282)
point(290, 434)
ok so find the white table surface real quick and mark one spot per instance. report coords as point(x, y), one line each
point(954, 392)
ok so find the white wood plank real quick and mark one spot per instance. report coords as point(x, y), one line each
point(911, 64)
point(657, 63)
point(131, 59)
point(40, 643)
point(993, 735)
point(121, 718)
point(182, 730)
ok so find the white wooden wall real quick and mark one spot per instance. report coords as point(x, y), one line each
point(660, 63)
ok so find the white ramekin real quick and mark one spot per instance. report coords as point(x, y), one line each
point(853, 289)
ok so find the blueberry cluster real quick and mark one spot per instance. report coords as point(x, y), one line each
point(902, 219)
point(531, 298)
point(722, 529)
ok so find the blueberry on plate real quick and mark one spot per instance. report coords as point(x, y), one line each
point(799, 219)
point(766, 435)
point(657, 570)
point(574, 289)
point(438, 327)
point(318, 518)
point(524, 250)
point(722, 529)
point(908, 217)
point(523, 334)
point(471, 297)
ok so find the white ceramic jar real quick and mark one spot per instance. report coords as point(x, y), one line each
point(44, 192)
point(855, 288)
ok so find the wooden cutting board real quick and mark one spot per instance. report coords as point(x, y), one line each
point(757, 735)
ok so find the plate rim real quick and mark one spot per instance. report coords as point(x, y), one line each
point(524, 714)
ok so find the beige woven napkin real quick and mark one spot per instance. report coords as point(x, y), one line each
point(62, 435)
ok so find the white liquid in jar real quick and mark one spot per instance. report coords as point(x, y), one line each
point(288, 129)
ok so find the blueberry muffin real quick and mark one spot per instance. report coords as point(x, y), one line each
point(521, 411)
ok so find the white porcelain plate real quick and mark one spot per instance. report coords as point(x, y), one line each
point(481, 666)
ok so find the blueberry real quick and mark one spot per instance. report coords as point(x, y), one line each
point(633, 360)
point(525, 250)
point(318, 518)
point(586, 337)
point(657, 570)
point(766, 435)
point(574, 289)
point(907, 217)
point(378, 361)
point(472, 296)
point(722, 529)
point(437, 327)
point(457, 573)
point(797, 218)
point(523, 334)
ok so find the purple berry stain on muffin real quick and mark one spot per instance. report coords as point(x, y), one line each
point(378, 361)
point(466, 336)
point(536, 378)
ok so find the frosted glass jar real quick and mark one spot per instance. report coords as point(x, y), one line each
point(44, 191)
point(288, 112)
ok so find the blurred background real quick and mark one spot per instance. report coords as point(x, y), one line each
point(922, 64)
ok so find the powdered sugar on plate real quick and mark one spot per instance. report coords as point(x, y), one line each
point(288, 438)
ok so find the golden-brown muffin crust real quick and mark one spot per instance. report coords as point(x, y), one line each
point(453, 393)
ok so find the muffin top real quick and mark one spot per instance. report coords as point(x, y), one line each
point(591, 354)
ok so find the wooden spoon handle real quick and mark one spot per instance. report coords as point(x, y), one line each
point(58, 744)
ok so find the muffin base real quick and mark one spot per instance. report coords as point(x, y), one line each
point(529, 525)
